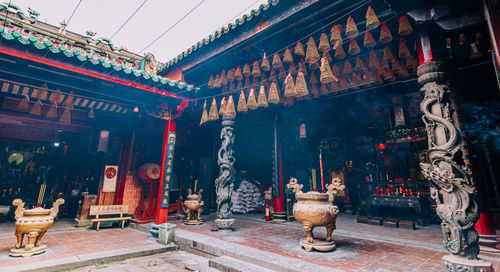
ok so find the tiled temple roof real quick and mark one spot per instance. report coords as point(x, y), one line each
point(27, 30)
point(220, 32)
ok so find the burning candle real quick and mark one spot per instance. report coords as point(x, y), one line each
point(195, 185)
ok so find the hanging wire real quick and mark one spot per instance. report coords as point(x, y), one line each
point(129, 18)
point(73, 13)
point(166, 31)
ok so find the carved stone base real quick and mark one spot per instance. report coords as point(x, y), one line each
point(279, 217)
point(318, 244)
point(224, 224)
point(82, 222)
point(193, 222)
point(453, 263)
point(488, 243)
point(22, 252)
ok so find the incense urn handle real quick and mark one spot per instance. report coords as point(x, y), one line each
point(33, 223)
point(314, 209)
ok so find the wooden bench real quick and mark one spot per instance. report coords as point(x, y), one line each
point(111, 212)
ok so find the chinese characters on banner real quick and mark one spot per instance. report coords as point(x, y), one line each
point(168, 170)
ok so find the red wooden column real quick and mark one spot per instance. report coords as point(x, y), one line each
point(162, 213)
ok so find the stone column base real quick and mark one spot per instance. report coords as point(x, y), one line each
point(279, 217)
point(488, 243)
point(224, 224)
point(453, 263)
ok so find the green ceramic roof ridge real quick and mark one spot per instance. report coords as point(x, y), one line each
point(26, 33)
point(221, 31)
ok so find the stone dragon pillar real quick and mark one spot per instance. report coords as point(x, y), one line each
point(225, 182)
point(451, 187)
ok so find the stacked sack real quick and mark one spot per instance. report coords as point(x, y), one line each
point(247, 198)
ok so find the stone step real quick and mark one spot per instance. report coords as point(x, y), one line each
point(228, 264)
point(210, 246)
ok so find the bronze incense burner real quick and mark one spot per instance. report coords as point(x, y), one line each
point(193, 205)
point(315, 209)
point(34, 223)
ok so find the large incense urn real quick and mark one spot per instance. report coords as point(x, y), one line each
point(193, 207)
point(314, 209)
point(34, 223)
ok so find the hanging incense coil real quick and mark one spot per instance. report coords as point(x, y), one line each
point(263, 80)
point(373, 60)
point(290, 90)
point(324, 44)
point(68, 102)
point(282, 75)
point(323, 89)
point(334, 87)
point(66, 116)
point(223, 79)
point(367, 78)
point(239, 86)
point(388, 56)
point(347, 68)
point(36, 109)
point(411, 64)
point(277, 61)
point(403, 72)
point(231, 86)
point(369, 41)
point(395, 67)
point(91, 114)
point(256, 69)
point(247, 85)
point(23, 104)
point(274, 97)
point(246, 70)
point(326, 75)
point(292, 69)
point(288, 101)
point(230, 75)
point(360, 65)
point(262, 99)
point(313, 80)
point(238, 75)
point(312, 54)
point(255, 82)
point(242, 104)
point(351, 30)
point(403, 49)
point(388, 75)
point(213, 113)
point(335, 70)
point(265, 66)
point(328, 57)
point(404, 26)
point(272, 76)
point(211, 82)
point(339, 53)
point(336, 36)
point(385, 34)
point(287, 56)
point(52, 113)
point(344, 85)
point(222, 109)
point(353, 48)
point(230, 110)
point(371, 19)
point(299, 49)
point(252, 102)
point(356, 81)
point(379, 74)
point(313, 66)
point(217, 83)
point(204, 115)
point(301, 85)
point(302, 67)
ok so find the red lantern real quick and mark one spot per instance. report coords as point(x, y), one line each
point(381, 146)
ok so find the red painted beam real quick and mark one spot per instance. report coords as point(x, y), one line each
point(36, 59)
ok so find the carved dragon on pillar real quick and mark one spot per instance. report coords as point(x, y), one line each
point(451, 187)
point(225, 182)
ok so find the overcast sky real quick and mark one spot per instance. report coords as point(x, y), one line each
point(154, 18)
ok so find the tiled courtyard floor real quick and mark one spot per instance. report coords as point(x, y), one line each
point(360, 247)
